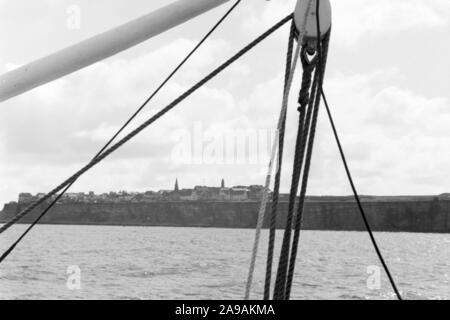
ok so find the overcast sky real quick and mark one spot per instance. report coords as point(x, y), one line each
point(388, 83)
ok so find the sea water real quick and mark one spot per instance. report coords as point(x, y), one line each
point(114, 262)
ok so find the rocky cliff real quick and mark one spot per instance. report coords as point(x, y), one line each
point(413, 216)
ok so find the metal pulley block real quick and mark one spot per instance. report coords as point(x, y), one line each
point(306, 23)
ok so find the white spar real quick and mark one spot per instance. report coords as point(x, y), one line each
point(101, 46)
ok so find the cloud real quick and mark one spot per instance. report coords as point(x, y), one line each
point(395, 139)
point(394, 133)
point(64, 123)
point(355, 20)
point(58, 116)
point(272, 11)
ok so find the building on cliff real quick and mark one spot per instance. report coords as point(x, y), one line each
point(198, 193)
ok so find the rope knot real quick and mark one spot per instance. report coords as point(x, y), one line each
point(308, 66)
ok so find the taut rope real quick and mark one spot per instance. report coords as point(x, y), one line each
point(291, 64)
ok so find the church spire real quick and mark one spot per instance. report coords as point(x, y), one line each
point(222, 183)
point(176, 189)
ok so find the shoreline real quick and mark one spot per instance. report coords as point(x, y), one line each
point(212, 227)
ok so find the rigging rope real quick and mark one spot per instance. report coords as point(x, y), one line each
point(298, 219)
point(307, 124)
point(321, 66)
point(305, 139)
point(142, 106)
point(276, 191)
point(305, 116)
point(349, 176)
point(291, 64)
point(358, 201)
point(148, 122)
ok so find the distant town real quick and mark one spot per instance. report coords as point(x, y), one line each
point(205, 193)
point(198, 193)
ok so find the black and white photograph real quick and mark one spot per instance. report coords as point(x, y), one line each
point(243, 151)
